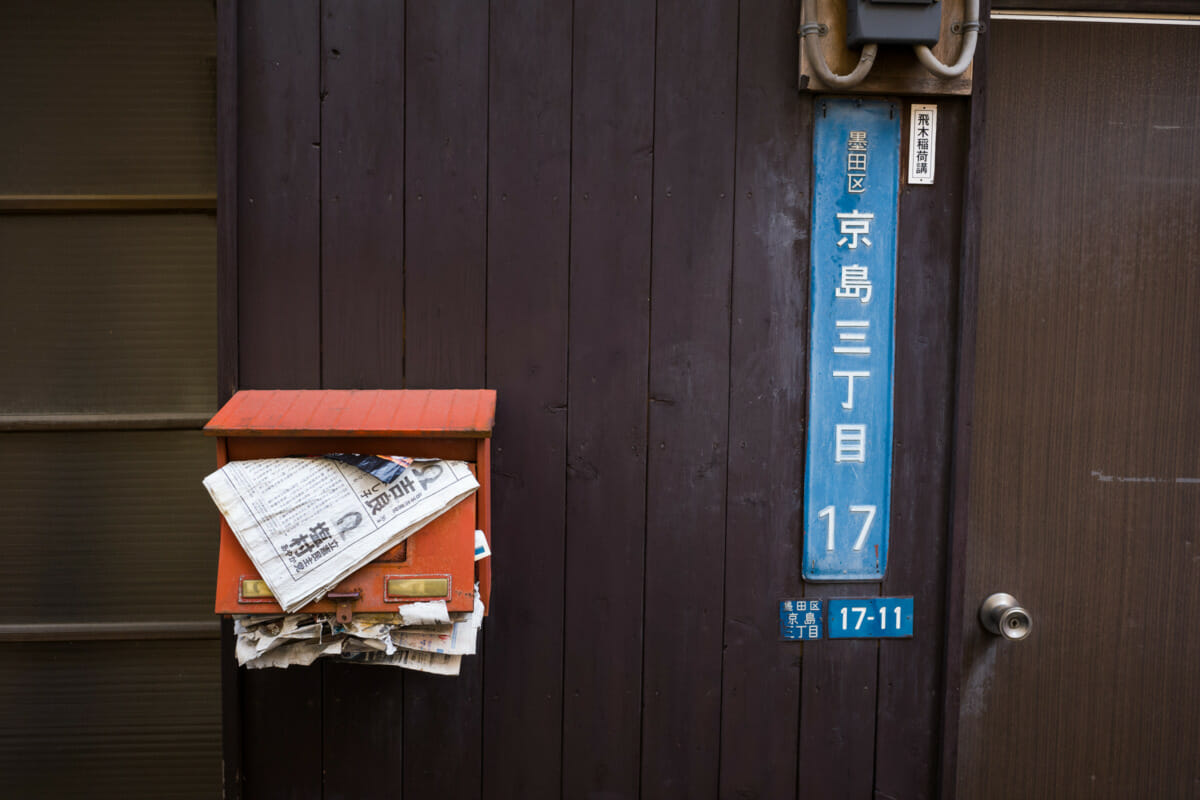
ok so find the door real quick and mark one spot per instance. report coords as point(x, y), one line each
point(1084, 497)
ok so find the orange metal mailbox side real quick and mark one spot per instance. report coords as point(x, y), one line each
point(436, 562)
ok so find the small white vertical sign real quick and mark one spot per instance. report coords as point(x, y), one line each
point(922, 143)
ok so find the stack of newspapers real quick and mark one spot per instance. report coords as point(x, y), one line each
point(422, 636)
point(273, 506)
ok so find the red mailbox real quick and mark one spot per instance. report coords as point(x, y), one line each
point(437, 562)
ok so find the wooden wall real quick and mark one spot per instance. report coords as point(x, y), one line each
point(599, 209)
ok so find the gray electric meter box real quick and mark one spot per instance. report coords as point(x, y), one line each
point(893, 22)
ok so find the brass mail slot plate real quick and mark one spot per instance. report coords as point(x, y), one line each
point(255, 589)
point(418, 587)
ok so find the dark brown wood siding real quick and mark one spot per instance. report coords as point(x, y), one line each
point(601, 211)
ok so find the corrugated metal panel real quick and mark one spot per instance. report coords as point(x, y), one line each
point(108, 98)
point(108, 313)
point(107, 527)
point(465, 413)
point(110, 720)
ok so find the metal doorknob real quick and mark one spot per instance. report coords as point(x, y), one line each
point(1002, 615)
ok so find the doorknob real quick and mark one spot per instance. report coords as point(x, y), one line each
point(1002, 615)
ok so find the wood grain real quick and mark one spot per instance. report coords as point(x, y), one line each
point(362, 117)
point(282, 724)
point(1082, 483)
point(964, 406)
point(695, 119)
point(837, 709)
point(529, 144)
point(278, 229)
point(611, 166)
point(760, 681)
point(445, 152)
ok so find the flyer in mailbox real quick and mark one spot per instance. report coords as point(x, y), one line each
point(306, 523)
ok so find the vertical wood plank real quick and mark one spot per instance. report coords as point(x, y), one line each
point(278, 324)
point(445, 282)
point(760, 699)
point(282, 725)
point(908, 708)
point(689, 396)
point(278, 196)
point(446, 193)
point(964, 406)
point(837, 709)
point(528, 217)
point(613, 95)
point(362, 336)
point(362, 194)
point(362, 734)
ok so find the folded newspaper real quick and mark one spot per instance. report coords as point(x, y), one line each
point(307, 523)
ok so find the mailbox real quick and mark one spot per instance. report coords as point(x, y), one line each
point(435, 563)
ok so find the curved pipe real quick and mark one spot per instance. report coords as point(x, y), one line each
point(970, 28)
point(816, 57)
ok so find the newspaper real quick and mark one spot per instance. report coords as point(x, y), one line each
point(430, 612)
point(307, 523)
point(299, 654)
point(482, 550)
point(300, 639)
point(457, 639)
point(436, 663)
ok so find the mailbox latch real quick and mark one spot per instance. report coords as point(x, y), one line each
point(343, 599)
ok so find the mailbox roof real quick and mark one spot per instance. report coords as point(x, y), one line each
point(467, 413)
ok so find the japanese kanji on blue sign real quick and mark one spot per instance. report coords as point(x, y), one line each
point(800, 619)
point(847, 487)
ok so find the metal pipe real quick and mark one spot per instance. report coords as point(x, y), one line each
point(816, 57)
point(970, 27)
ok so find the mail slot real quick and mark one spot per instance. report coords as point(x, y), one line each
point(435, 563)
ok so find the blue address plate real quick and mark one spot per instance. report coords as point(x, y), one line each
point(848, 474)
point(869, 617)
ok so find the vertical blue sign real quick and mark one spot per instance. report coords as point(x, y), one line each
point(848, 477)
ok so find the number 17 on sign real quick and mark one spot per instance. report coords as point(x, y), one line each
point(829, 514)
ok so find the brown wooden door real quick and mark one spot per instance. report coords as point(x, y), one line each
point(1084, 496)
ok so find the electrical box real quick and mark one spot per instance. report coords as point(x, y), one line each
point(435, 563)
point(893, 22)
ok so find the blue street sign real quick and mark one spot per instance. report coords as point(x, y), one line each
point(848, 476)
point(870, 617)
point(800, 620)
